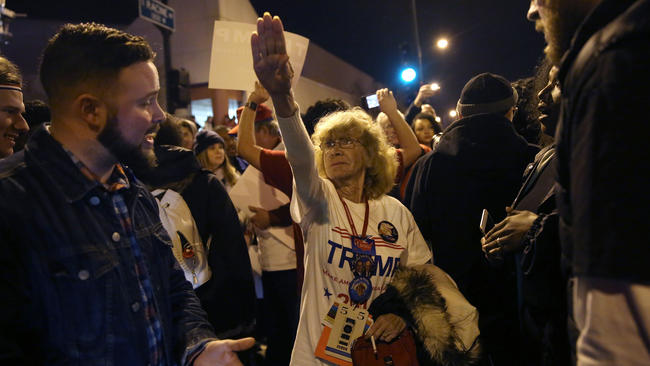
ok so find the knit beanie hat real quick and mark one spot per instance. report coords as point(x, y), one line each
point(486, 93)
point(262, 113)
point(205, 139)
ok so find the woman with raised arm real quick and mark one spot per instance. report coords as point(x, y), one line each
point(355, 235)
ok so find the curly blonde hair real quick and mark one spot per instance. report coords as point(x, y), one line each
point(381, 164)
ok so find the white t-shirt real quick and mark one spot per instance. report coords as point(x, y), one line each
point(328, 254)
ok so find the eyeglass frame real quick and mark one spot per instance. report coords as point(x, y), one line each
point(338, 142)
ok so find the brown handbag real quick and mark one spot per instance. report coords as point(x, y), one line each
point(398, 352)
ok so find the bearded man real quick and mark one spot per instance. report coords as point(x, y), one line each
point(87, 273)
point(603, 50)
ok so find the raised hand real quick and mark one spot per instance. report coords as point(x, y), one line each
point(387, 102)
point(259, 95)
point(425, 92)
point(270, 59)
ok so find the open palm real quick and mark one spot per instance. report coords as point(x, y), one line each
point(270, 59)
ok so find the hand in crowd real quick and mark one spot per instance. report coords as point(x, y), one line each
point(259, 95)
point(387, 102)
point(386, 327)
point(270, 58)
point(506, 236)
point(424, 93)
point(222, 352)
point(261, 218)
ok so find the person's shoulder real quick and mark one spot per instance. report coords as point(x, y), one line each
point(10, 165)
point(391, 203)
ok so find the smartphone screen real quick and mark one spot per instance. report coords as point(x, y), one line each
point(372, 101)
point(486, 223)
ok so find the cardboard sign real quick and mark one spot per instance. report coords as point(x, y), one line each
point(231, 62)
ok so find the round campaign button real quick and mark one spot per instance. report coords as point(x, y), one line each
point(360, 289)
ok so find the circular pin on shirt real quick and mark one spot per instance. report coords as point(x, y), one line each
point(387, 231)
point(360, 289)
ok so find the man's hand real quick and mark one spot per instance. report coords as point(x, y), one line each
point(506, 236)
point(261, 218)
point(259, 95)
point(424, 93)
point(270, 58)
point(386, 327)
point(387, 103)
point(222, 352)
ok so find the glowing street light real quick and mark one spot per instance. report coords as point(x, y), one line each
point(452, 113)
point(408, 74)
point(442, 43)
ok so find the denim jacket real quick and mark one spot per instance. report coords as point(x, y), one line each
point(67, 280)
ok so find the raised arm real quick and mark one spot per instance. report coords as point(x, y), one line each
point(407, 139)
point(246, 145)
point(273, 70)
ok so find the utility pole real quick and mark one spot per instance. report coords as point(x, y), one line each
point(416, 32)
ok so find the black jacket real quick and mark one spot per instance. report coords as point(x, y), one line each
point(603, 150)
point(478, 164)
point(229, 296)
point(541, 274)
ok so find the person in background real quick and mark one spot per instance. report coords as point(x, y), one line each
point(477, 165)
point(400, 135)
point(12, 122)
point(321, 109)
point(209, 149)
point(425, 92)
point(231, 148)
point(529, 237)
point(526, 120)
point(427, 129)
point(281, 300)
point(216, 219)
point(189, 130)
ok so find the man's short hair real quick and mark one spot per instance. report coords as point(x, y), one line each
point(486, 93)
point(321, 109)
point(9, 73)
point(88, 57)
point(271, 126)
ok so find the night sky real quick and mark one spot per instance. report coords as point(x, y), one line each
point(378, 38)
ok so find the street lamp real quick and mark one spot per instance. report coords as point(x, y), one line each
point(442, 43)
point(408, 74)
point(452, 113)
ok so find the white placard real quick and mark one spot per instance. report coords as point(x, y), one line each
point(251, 190)
point(231, 61)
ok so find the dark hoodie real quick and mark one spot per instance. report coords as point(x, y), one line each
point(478, 164)
point(229, 296)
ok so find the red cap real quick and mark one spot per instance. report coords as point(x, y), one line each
point(262, 113)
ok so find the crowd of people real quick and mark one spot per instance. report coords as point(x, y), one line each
point(512, 236)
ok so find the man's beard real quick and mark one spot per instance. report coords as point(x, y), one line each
point(561, 21)
point(132, 156)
